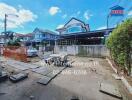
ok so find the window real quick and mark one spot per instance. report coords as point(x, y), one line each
point(43, 35)
point(75, 29)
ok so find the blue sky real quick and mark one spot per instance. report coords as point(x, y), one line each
point(50, 14)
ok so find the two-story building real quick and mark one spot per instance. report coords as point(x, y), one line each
point(74, 26)
point(76, 32)
point(40, 35)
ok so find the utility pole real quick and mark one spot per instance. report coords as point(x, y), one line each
point(5, 27)
point(108, 21)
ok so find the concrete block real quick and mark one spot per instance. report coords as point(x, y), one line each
point(42, 70)
point(110, 90)
point(3, 76)
point(21, 65)
point(18, 77)
point(44, 80)
point(51, 75)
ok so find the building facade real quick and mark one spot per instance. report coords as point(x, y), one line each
point(76, 32)
point(40, 35)
point(74, 26)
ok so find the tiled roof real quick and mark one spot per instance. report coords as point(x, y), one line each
point(117, 7)
point(23, 35)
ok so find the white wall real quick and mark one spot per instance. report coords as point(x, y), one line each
point(84, 50)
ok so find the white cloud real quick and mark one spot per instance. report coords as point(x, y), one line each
point(64, 16)
point(54, 10)
point(130, 13)
point(78, 13)
point(20, 6)
point(60, 26)
point(102, 27)
point(23, 16)
point(87, 15)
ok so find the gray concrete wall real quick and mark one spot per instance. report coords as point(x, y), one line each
point(84, 50)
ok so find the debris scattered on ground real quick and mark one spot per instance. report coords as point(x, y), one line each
point(117, 77)
point(18, 77)
point(64, 86)
point(49, 60)
point(110, 90)
point(93, 70)
point(69, 63)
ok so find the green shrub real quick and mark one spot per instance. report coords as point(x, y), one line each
point(120, 44)
point(14, 43)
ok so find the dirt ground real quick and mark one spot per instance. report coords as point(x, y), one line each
point(82, 81)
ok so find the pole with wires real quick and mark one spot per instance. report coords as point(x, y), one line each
point(5, 27)
point(108, 16)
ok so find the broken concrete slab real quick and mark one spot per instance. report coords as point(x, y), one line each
point(3, 76)
point(55, 72)
point(42, 70)
point(110, 90)
point(18, 77)
point(51, 75)
point(21, 65)
point(44, 80)
point(12, 63)
point(48, 76)
point(40, 63)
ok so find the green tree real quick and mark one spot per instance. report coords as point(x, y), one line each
point(120, 45)
point(15, 42)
